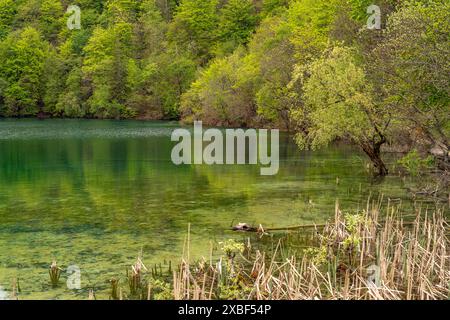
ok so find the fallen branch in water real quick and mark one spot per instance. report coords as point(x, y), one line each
point(245, 227)
point(248, 228)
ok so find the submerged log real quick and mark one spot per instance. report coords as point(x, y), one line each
point(245, 227)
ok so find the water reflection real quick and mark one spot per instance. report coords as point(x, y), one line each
point(95, 193)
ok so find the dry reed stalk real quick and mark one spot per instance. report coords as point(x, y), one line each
point(54, 273)
point(411, 260)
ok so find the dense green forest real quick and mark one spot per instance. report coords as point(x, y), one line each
point(310, 66)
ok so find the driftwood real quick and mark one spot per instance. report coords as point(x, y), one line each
point(245, 227)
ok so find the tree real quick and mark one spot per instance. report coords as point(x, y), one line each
point(416, 69)
point(151, 31)
point(224, 93)
point(359, 8)
point(286, 43)
point(23, 56)
point(271, 7)
point(106, 66)
point(311, 22)
point(175, 76)
point(70, 101)
point(8, 10)
point(274, 51)
point(159, 75)
point(237, 23)
point(51, 19)
point(121, 11)
point(338, 104)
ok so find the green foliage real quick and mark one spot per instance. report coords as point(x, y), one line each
point(121, 11)
point(337, 101)
point(23, 55)
point(230, 247)
point(251, 85)
point(194, 28)
point(50, 20)
point(231, 283)
point(318, 255)
point(415, 55)
point(106, 64)
point(274, 63)
point(274, 52)
point(272, 7)
point(310, 21)
point(119, 65)
point(69, 102)
point(340, 103)
point(8, 10)
point(359, 9)
point(353, 224)
point(160, 289)
point(235, 289)
point(414, 164)
point(237, 23)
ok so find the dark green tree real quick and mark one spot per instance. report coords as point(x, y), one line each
point(23, 55)
point(237, 23)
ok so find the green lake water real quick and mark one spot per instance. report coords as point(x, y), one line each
point(97, 193)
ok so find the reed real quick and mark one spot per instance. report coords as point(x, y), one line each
point(15, 289)
point(135, 277)
point(115, 294)
point(356, 256)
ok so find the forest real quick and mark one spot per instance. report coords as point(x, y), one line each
point(92, 91)
point(312, 67)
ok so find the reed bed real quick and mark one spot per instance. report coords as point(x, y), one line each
point(356, 256)
point(363, 255)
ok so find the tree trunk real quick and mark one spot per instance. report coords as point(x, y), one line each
point(373, 151)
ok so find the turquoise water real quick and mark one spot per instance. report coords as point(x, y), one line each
point(97, 193)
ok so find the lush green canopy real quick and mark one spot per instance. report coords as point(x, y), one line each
point(312, 66)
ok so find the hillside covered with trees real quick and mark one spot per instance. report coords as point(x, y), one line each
point(309, 66)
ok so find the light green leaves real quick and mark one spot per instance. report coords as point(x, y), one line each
point(337, 100)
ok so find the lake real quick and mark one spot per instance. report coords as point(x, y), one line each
point(96, 194)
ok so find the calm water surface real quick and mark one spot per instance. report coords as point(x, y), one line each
point(96, 193)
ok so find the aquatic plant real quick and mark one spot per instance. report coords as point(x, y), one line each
point(355, 256)
point(135, 276)
point(91, 295)
point(231, 247)
point(159, 290)
point(15, 289)
point(115, 294)
point(318, 256)
point(414, 164)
